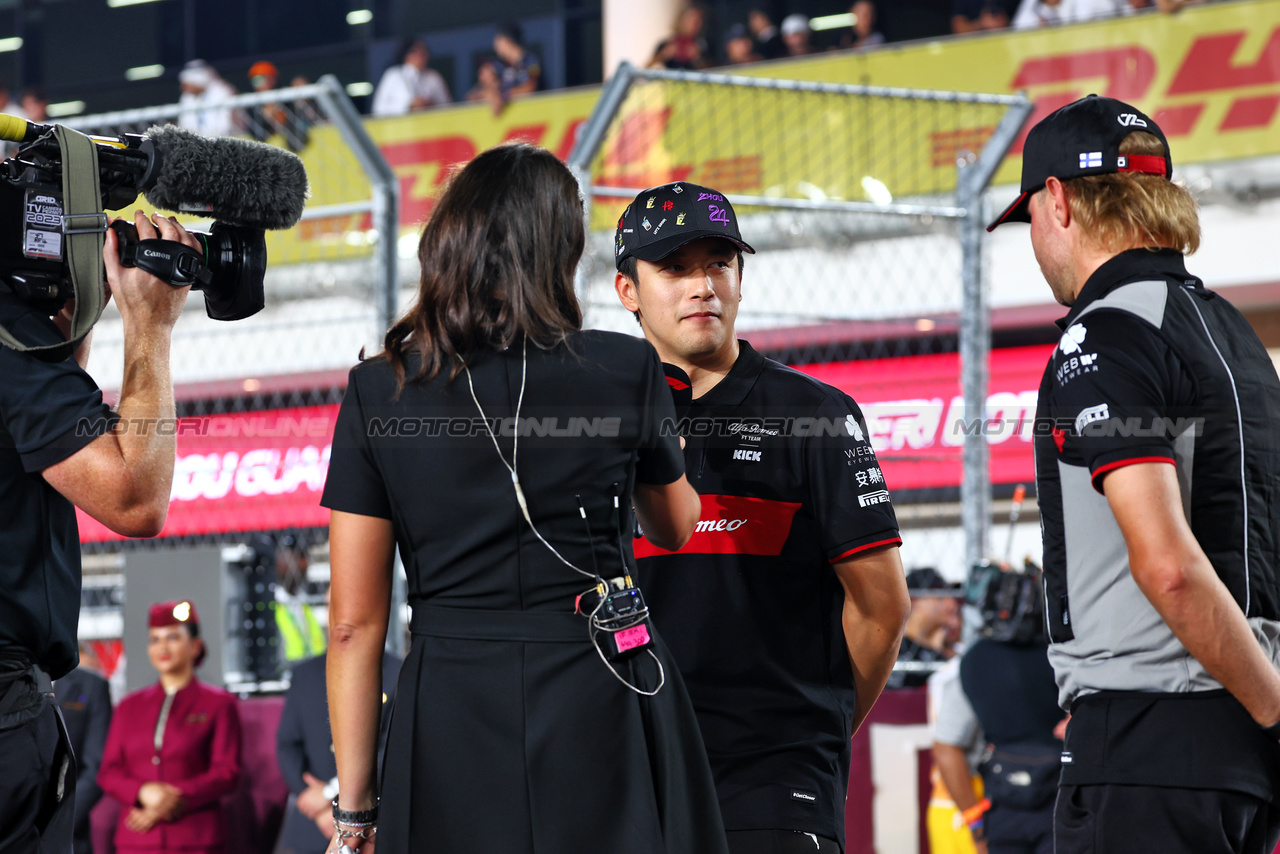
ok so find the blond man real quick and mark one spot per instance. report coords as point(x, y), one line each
point(1158, 469)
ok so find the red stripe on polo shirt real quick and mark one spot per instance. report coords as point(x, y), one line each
point(892, 541)
point(733, 524)
point(1097, 475)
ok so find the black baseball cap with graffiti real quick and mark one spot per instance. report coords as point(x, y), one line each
point(662, 219)
point(1083, 138)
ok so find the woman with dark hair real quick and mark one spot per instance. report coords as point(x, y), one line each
point(502, 449)
point(173, 750)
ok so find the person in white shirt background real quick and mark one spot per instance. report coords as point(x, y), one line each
point(409, 84)
point(201, 85)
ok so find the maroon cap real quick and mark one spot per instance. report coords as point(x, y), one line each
point(179, 613)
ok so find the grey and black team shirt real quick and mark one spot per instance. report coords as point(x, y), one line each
point(1153, 367)
point(751, 608)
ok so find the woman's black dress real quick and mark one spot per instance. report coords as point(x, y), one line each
point(509, 734)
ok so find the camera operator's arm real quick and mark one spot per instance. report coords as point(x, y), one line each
point(122, 478)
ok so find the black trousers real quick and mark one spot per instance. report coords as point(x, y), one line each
point(779, 842)
point(1124, 819)
point(33, 820)
point(1017, 831)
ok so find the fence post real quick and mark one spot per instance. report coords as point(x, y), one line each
point(975, 329)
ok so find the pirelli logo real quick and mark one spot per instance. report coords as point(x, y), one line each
point(880, 496)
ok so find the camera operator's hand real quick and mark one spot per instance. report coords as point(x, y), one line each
point(143, 299)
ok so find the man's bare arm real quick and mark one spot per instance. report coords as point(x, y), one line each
point(876, 606)
point(123, 477)
point(1177, 578)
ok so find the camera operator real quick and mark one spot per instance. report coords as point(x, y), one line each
point(61, 446)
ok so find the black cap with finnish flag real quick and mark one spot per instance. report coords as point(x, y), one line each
point(662, 219)
point(1083, 138)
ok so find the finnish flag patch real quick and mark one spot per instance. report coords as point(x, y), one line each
point(1090, 159)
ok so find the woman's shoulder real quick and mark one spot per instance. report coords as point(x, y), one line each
point(215, 695)
point(618, 344)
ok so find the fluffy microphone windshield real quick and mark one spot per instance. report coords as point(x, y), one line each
point(234, 180)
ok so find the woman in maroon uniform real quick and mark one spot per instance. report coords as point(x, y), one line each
point(173, 750)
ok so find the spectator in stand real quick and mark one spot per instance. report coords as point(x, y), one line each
point(971, 16)
point(173, 750)
point(409, 84)
point(7, 105)
point(35, 104)
point(739, 47)
point(201, 87)
point(519, 71)
point(266, 120)
point(1039, 13)
point(933, 628)
point(863, 33)
point(769, 42)
point(84, 697)
point(488, 87)
point(795, 35)
point(685, 48)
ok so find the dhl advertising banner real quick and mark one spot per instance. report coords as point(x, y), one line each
point(1210, 75)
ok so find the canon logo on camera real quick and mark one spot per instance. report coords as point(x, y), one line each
point(151, 253)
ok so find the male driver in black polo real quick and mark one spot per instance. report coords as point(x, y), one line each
point(786, 607)
point(1158, 470)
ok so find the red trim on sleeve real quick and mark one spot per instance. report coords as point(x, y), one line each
point(1129, 462)
point(895, 541)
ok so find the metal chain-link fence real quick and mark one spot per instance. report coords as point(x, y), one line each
point(864, 206)
point(256, 397)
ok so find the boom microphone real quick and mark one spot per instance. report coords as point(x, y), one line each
point(234, 180)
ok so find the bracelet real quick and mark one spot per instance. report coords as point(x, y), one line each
point(1273, 731)
point(366, 834)
point(357, 818)
point(973, 815)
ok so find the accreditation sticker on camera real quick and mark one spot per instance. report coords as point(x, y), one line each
point(42, 226)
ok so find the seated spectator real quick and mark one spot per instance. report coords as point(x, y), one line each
point(769, 42)
point(863, 33)
point(488, 87)
point(971, 16)
point(739, 47)
point(409, 84)
point(519, 71)
point(201, 87)
point(933, 628)
point(266, 120)
point(795, 35)
point(35, 104)
point(686, 48)
point(1040, 13)
point(173, 750)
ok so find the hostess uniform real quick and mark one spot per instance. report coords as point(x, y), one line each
point(190, 739)
point(750, 607)
point(1151, 367)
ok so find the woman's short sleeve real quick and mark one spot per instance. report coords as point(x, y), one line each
point(660, 460)
point(355, 483)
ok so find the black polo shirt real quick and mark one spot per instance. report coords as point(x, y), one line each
point(751, 608)
point(1153, 367)
point(48, 411)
